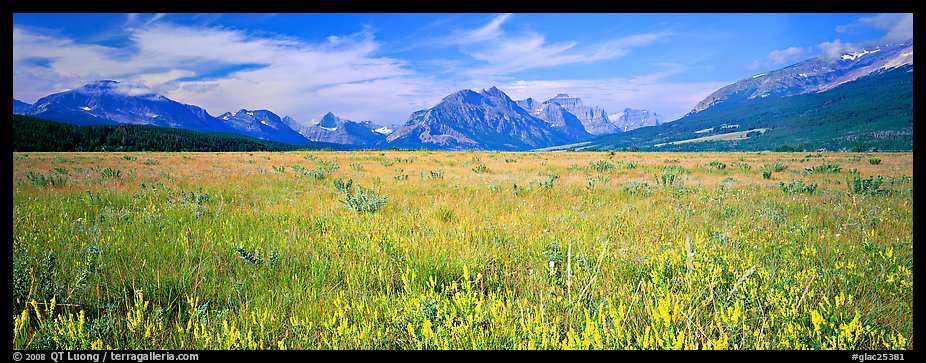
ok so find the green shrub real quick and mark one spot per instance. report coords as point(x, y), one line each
point(874, 161)
point(635, 188)
point(670, 175)
point(39, 179)
point(110, 173)
point(867, 186)
point(594, 181)
point(549, 182)
point(797, 186)
point(776, 167)
point(358, 198)
point(193, 197)
point(825, 168)
point(247, 256)
point(602, 166)
point(322, 170)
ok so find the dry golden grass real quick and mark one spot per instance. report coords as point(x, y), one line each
point(471, 250)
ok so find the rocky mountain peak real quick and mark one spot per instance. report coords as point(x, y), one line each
point(334, 129)
point(496, 95)
point(487, 120)
point(329, 120)
point(594, 118)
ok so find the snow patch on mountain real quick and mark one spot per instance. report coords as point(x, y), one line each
point(814, 75)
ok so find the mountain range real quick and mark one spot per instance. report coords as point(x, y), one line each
point(630, 119)
point(336, 130)
point(261, 124)
point(487, 120)
point(861, 100)
point(814, 75)
point(760, 112)
point(110, 102)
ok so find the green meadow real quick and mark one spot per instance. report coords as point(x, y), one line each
point(462, 250)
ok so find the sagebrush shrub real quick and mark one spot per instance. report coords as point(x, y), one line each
point(358, 198)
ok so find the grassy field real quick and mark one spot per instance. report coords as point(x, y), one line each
point(470, 250)
point(739, 135)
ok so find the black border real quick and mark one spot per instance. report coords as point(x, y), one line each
point(484, 6)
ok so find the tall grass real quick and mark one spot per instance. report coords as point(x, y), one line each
point(212, 255)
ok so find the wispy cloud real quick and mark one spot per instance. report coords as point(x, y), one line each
point(786, 55)
point(288, 76)
point(779, 57)
point(498, 52)
point(649, 91)
point(135, 19)
point(225, 69)
point(897, 27)
point(836, 48)
point(492, 30)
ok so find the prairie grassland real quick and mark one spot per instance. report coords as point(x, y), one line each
point(471, 250)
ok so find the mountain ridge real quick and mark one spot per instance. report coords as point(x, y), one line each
point(486, 120)
point(873, 112)
point(490, 120)
point(262, 124)
point(334, 129)
point(814, 75)
point(109, 102)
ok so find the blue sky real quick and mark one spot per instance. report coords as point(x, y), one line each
point(382, 67)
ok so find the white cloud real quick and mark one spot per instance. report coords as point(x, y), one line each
point(155, 18)
point(501, 53)
point(44, 63)
point(778, 57)
point(136, 19)
point(491, 30)
point(651, 92)
point(160, 78)
point(224, 69)
point(133, 88)
point(835, 49)
point(287, 76)
point(897, 27)
point(786, 55)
